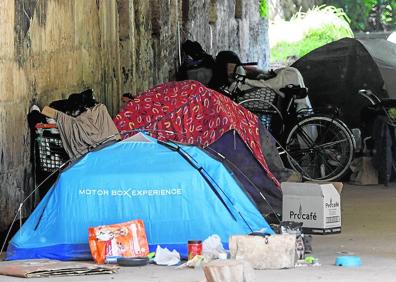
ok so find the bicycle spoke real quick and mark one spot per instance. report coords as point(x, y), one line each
point(325, 162)
point(300, 168)
point(304, 161)
point(314, 163)
point(305, 137)
point(325, 145)
point(322, 135)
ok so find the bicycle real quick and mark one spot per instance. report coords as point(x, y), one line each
point(385, 107)
point(379, 134)
point(317, 144)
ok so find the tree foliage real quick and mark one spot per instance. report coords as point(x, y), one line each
point(263, 8)
point(368, 15)
point(307, 31)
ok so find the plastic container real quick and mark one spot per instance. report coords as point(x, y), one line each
point(194, 248)
point(348, 261)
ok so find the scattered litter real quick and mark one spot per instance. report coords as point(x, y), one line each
point(212, 248)
point(165, 257)
point(312, 260)
point(301, 263)
point(308, 261)
point(196, 261)
point(223, 256)
point(151, 255)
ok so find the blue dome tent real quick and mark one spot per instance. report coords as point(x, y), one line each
point(179, 191)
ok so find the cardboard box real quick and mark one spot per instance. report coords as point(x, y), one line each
point(317, 206)
point(337, 185)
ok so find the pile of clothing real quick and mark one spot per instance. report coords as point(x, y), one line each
point(82, 122)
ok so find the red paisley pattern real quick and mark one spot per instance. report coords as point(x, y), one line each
point(190, 113)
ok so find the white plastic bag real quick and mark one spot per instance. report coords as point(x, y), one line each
point(212, 247)
point(165, 257)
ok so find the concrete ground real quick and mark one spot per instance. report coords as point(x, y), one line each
point(369, 231)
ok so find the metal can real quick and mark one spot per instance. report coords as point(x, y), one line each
point(194, 248)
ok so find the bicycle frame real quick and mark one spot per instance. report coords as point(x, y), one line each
point(382, 104)
point(298, 135)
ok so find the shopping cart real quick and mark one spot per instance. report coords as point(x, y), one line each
point(50, 152)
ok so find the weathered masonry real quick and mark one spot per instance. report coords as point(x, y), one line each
point(51, 48)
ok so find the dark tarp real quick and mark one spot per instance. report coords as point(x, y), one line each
point(384, 55)
point(336, 71)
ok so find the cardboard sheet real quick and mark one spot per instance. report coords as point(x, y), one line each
point(37, 268)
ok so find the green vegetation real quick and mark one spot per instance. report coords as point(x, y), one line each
point(392, 113)
point(263, 8)
point(307, 31)
point(368, 15)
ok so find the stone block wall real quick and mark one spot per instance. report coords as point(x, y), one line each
point(50, 49)
point(228, 25)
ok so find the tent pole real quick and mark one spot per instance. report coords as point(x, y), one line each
point(248, 179)
point(199, 169)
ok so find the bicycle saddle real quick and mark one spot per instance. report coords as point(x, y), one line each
point(294, 90)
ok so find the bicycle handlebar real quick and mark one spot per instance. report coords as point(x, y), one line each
point(370, 96)
point(240, 71)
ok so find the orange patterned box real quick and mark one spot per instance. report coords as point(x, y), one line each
point(126, 239)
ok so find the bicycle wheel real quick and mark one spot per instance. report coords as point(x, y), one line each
point(320, 148)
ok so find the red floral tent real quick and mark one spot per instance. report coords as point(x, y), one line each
point(198, 115)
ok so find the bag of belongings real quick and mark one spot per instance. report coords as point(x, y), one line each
point(118, 240)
